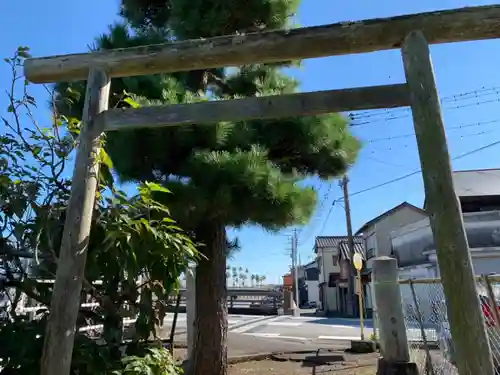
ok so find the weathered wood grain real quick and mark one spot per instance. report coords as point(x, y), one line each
point(473, 23)
point(59, 338)
point(279, 106)
point(445, 214)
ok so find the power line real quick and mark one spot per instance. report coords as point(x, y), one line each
point(311, 232)
point(450, 137)
point(397, 179)
point(390, 116)
point(420, 170)
point(320, 206)
point(448, 128)
point(475, 94)
point(374, 116)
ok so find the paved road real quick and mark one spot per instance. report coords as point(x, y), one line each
point(233, 321)
point(300, 329)
point(306, 329)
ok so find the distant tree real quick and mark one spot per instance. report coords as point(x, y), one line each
point(235, 276)
point(262, 279)
point(243, 278)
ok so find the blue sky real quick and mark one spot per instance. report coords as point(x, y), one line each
point(468, 82)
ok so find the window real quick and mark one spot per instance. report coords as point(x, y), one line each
point(333, 278)
point(370, 253)
point(371, 241)
point(335, 259)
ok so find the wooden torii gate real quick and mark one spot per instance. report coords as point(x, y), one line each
point(411, 33)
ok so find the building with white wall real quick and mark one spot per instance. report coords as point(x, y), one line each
point(413, 245)
point(376, 236)
point(333, 264)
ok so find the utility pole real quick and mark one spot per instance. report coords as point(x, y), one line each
point(295, 267)
point(350, 244)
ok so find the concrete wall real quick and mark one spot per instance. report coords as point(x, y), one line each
point(312, 291)
point(489, 265)
point(484, 261)
point(330, 298)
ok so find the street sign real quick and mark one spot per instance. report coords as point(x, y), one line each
point(357, 261)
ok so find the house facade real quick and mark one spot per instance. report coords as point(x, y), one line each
point(413, 245)
point(308, 278)
point(333, 262)
point(376, 236)
point(478, 192)
point(414, 248)
point(311, 282)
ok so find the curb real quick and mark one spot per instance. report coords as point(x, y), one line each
point(263, 356)
point(249, 358)
point(234, 360)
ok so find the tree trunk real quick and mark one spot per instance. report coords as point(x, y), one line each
point(210, 349)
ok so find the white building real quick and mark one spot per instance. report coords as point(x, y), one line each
point(376, 235)
point(333, 264)
point(413, 245)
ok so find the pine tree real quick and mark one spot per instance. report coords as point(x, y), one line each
point(227, 174)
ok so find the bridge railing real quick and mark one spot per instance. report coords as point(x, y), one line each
point(251, 300)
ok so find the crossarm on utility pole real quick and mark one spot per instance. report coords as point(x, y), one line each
point(60, 333)
point(462, 301)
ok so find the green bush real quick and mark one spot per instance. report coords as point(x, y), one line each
point(156, 361)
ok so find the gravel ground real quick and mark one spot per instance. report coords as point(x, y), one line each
point(354, 364)
point(294, 368)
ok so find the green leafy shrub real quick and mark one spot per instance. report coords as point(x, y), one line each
point(132, 238)
point(156, 361)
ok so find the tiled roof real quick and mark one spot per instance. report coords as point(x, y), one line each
point(333, 241)
point(359, 247)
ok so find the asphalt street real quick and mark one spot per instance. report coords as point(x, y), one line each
point(286, 327)
point(301, 329)
point(233, 321)
point(306, 328)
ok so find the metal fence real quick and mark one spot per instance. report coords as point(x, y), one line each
point(428, 329)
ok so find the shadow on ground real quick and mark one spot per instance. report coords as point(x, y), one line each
point(326, 360)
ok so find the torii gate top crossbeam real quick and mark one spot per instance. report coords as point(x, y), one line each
point(456, 25)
